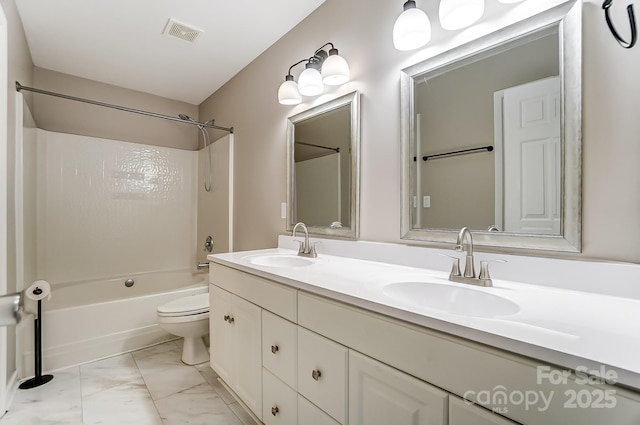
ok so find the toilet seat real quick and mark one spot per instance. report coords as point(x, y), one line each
point(186, 306)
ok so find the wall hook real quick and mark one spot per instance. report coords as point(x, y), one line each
point(632, 21)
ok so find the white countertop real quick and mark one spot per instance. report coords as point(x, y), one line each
point(565, 327)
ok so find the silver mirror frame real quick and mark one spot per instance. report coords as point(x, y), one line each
point(568, 17)
point(353, 231)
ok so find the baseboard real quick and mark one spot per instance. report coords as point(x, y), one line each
point(83, 351)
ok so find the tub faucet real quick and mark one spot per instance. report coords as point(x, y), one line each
point(307, 249)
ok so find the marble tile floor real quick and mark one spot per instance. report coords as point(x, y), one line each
point(146, 387)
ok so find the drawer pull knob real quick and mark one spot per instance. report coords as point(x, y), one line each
point(316, 374)
point(226, 317)
point(274, 349)
point(274, 410)
point(231, 319)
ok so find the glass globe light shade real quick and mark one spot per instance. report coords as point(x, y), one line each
point(310, 82)
point(335, 69)
point(412, 28)
point(458, 14)
point(288, 92)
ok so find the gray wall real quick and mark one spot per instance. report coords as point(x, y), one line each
point(65, 116)
point(362, 31)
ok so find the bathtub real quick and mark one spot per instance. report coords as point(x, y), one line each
point(85, 321)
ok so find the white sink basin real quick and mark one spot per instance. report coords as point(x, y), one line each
point(280, 260)
point(451, 299)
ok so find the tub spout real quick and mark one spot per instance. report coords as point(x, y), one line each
point(202, 266)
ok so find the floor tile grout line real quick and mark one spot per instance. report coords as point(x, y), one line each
point(146, 386)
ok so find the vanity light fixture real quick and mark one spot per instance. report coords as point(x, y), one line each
point(458, 14)
point(412, 28)
point(320, 69)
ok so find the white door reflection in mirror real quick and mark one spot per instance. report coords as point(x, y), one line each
point(530, 123)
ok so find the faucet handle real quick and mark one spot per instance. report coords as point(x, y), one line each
point(455, 267)
point(312, 249)
point(301, 248)
point(484, 268)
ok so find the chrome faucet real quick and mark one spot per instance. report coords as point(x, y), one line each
point(465, 243)
point(307, 249)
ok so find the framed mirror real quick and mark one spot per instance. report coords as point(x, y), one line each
point(491, 137)
point(323, 171)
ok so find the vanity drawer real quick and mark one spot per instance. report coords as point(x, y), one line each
point(309, 414)
point(279, 347)
point(279, 402)
point(272, 296)
point(322, 373)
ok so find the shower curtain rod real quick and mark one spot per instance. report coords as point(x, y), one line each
point(20, 87)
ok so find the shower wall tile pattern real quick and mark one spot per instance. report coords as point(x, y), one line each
point(108, 208)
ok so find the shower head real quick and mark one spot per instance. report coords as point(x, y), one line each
point(185, 117)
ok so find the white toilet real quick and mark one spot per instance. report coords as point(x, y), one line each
point(188, 317)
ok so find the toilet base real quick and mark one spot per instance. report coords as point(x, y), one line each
point(194, 351)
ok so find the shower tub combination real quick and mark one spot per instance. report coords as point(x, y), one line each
point(85, 321)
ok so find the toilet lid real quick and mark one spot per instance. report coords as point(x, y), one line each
point(193, 304)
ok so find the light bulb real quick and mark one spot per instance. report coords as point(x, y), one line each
point(335, 69)
point(310, 82)
point(412, 28)
point(458, 14)
point(288, 92)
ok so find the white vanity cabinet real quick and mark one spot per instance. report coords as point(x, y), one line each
point(294, 357)
point(381, 395)
point(465, 413)
point(235, 328)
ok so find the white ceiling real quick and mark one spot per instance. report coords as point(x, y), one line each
point(120, 42)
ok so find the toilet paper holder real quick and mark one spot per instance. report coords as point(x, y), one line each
point(11, 309)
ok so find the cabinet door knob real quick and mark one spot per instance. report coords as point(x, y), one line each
point(274, 410)
point(226, 317)
point(274, 349)
point(231, 319)
point(316, 374)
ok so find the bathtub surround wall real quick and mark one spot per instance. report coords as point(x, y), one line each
point(109, 208)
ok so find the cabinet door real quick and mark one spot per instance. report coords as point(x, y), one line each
point(381, 395)
point(220, 332)
point(463, 413)
point(322, 369)
point(279, 347)
point(279, 402)
point(246, 376)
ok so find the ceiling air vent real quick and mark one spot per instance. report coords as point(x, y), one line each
point(181, 31)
